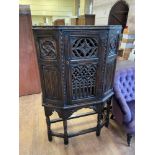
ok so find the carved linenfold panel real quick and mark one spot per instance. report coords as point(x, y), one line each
point(84, 48)
point(51, 81)
point(83, 81)
point(48, 49)
point(110, 68)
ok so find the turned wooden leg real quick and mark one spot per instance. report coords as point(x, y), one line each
point(65, 132)
point(108, 113)
point(99, 124)
point(49, 132)
point(129, 136)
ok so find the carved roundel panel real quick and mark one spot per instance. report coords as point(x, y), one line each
point(113, 44)
point(48, 49)
point(84, 48)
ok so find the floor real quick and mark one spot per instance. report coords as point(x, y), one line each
point(33, 134)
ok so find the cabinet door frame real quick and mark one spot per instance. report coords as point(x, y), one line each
point(70, 62)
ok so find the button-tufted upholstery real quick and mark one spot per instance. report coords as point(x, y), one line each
point(123, 107)
point(124, 88)
point(125, 84)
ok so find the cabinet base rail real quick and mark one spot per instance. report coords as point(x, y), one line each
point(66, 135)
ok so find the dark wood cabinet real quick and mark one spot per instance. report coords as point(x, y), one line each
point(77, 65)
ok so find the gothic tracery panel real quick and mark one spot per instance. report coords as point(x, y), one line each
point(84, 48)
point(48, 49)
point(83, 81)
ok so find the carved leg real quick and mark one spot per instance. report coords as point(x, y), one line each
point(49, 132)
point(99, 123)
point(108, 112)
point(65, 132)
point(129, 136)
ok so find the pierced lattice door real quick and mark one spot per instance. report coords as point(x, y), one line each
point(83, 66)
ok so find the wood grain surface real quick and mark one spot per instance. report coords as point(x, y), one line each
point(29, 82)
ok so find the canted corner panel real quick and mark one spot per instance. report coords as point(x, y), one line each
point(104, 45)
point(83, 81)
point(51, 82)
point(109, 74)
point(48, 49)
point(113, 42)
point(104, 39)
point(85, 47)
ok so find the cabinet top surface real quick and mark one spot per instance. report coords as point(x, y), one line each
point(84, 27)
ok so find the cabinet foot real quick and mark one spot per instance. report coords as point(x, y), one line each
point(65, 132)
point(49, 132)
point(108, 113)
point(99, 123)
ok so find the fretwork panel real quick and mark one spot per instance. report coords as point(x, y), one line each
point(83, 81)
point(84, 48)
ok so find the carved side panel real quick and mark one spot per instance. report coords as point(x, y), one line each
point(104, 40)
point(51, 82)
point(113, 42)
point(48, 57)
point(104, 44)
point(109, 75)
point(83, 81)
point(48, 49)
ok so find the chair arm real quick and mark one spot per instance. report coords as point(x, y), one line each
point(124, 108)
